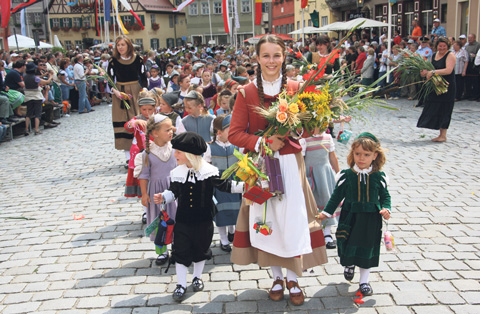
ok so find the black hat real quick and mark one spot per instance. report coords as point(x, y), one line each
point(424, 39)
point(31, 67)
point(171, 98)
point(190, 142)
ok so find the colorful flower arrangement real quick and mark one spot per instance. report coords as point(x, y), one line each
point(410, 67)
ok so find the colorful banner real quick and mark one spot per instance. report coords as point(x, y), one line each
point(235, 11)
point(226, 18)
point(23, 31)
point(258, 12)
point(18, 7)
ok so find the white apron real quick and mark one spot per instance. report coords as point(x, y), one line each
point(287, 218)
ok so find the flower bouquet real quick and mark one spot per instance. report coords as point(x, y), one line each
point(103, 75)
point(410, 67)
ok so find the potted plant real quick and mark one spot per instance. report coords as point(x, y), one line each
point(85, 28)
point(55, 29)
point(155, 26)
point(136, 27)
point(65, 28)
point(75, 28)
point(128, 27)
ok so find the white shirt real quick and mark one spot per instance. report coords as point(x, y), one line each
point(78, 72)
point(477, 58)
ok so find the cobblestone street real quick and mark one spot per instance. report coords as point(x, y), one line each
point(51, 263)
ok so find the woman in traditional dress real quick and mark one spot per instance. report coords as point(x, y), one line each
point(437, 113)
point(128, 71)
point(296, 242)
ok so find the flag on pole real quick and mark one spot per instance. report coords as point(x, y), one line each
point(20, 6)
point(22, 23)
point(226, 19)
point(304, 4)
point(6, 6)
point(107, 4)
point(182, 5)
point(235, 11)
point(258, 12)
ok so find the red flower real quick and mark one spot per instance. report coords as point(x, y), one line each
point(308, 75)
point(298, 55)
point(290, 50)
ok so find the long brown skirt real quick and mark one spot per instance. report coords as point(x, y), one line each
point(121, 115)
point(243, 253)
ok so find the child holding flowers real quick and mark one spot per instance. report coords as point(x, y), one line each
point(364, 189)
point(296, 241)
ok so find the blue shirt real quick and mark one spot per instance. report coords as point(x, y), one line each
point(439, 31)
point(425, 52)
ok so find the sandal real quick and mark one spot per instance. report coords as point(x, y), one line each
point(297, 298)
point(277, 295)
point(179, 293)
point(349, 272)
point(365, 289)
point(161, 259)
point(144, 218)
point(332, 244)
point(197, 284)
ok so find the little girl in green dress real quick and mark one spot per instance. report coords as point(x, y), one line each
point(364, 188)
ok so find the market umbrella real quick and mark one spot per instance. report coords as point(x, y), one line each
point(307, 30)
point(367, 23)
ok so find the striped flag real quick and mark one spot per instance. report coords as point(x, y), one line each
point(182, 5)
point(258, 12)
point(226, 18)
point(304, 4)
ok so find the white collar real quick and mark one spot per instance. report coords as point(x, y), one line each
point(161, 152)
point(271, 88)
point(180, 173)
point(126, 58)
point(362, 171)
point(222, 144)
point(155, 78)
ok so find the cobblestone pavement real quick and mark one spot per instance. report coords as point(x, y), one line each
point(52, 263)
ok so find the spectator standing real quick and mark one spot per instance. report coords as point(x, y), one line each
point(438, 30)
point(34, 97)
point(461, 66)
point(80, 76)
point(416, 31)
point(425, 50)
point(367, 68)
point(471, 86)
point(362, 56)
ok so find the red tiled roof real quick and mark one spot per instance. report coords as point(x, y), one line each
point(157, 5)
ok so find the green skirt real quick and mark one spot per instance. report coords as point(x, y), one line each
point(358, 239)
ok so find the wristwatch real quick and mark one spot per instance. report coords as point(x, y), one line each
point(433, 72)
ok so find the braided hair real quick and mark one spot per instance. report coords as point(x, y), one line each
point(274, 39)
point(217, 125)
point(151, 126)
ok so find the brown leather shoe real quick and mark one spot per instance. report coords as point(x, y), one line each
point(295, 298)
point(277, 295)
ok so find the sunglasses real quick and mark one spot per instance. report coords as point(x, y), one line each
point(41, 64)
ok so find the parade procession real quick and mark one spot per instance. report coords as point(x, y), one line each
point(240, 156)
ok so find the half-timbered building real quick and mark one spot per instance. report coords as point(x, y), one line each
point(75, 25)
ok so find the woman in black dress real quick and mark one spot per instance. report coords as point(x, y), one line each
point(437, 113)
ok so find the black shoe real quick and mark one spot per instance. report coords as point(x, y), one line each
point(230, 237)
point(332, 244)
point(49, 126)
point(82, 112)
point(349, 272)
point(126, 165)
point(197, 284)
point(161, 260)
point(366, 289)
point(91, 110)
point(55, 123)
point(26, 133)
point(179, 293)
point(144, 218)
point(225, 248)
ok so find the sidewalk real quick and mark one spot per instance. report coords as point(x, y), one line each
point(102, 263)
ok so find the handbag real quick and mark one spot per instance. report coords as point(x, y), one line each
point(15, 98)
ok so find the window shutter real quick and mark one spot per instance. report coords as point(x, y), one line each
point(70, 22)
point(61, 22)
point(142, 18)
point(51, 23)
point(81, 21)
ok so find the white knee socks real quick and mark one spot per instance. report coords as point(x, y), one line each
point(277, 274)
point(292, 276)
point(231, 229)
point(127, 154)
point(222, 232)
point(328, 232)
point(198, 269)
point(181, 274)
point(364, 273)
